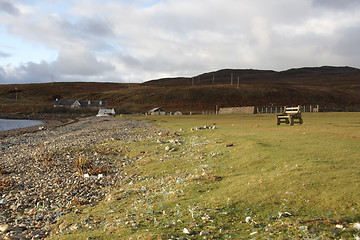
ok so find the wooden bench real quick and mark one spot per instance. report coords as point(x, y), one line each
point(289, 115)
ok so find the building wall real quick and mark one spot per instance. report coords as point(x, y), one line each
point(234, 110)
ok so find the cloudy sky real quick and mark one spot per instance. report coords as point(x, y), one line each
point(140, 40)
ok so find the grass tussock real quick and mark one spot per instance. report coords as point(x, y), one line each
point(77, 202)
point(84, 164)
point(6, 183)
point(43, 155)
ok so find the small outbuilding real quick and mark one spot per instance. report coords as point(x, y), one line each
point(157, 111)
point(106, 113)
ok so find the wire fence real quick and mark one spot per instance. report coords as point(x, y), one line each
point(280, 109)
point(305, 108)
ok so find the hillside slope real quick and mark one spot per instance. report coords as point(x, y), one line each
point(334, 87)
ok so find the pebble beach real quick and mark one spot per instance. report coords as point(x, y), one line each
point(39, 182)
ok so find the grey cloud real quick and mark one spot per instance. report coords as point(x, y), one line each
point(25, 73)
point(97, 26)
point(80, 62)
point(93, 27)
point(2, 73)
point(4, 55)
point(37, 69)
point(347, 44)
point(65, 68)
point(8, 7)
point(166, 63)
point(129, 60)
point(336, 4)
point(91, 31)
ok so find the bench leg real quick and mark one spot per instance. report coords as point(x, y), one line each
point(301, 121)
point(277, 121)
point(291, 121)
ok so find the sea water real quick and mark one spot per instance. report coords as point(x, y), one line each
point(9, 124)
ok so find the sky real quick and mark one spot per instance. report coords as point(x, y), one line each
point(140, 40)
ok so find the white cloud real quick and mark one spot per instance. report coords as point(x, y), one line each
point(79, 61)
point(139, 40)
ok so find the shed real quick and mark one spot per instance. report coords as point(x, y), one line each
point(157, 111)
point(106, 113)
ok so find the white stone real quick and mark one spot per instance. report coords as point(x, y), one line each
point(186, 231)
point(357, 226)
point(4, 228)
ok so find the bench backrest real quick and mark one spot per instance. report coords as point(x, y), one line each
point(292, 110)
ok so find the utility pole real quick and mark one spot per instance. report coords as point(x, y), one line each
point(238, 82)
point(213, 79)
point(232, 79)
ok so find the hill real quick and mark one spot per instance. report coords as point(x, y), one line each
point(337, 88)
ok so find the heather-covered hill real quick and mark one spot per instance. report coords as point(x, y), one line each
point(335, 87)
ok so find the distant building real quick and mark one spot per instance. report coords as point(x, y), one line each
point(178, 113)
point(157, 111)
point(80, 103)
point(106, 113)
point(237, 110)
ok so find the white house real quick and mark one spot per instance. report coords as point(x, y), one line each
point(106, 113)
point(79, 103)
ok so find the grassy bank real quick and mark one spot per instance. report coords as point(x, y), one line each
point(247, 178)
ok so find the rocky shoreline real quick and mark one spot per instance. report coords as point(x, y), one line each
point(39, 182)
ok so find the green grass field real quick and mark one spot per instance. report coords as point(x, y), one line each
point(211, 181)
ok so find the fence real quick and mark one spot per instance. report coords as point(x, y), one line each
point(276, 109)
point(280, 109)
